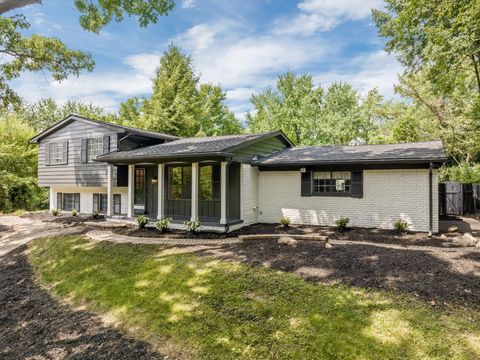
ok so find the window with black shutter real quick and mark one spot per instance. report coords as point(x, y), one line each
point(100, 203)
point(117, 204)
point(59, 201)
point(332, 183)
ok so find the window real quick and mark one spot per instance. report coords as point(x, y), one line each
point(209, 182)
point(139, 186)
point(56, 153)
point(117, 204)
point(68, 201)
point(179, 183)
point(94, 148)
point(100, 203)
point(331, 182)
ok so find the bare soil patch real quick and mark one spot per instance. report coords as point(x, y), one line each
point(35, 326)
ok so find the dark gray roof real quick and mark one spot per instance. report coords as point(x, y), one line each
point(127, 129)
point(324, 155)
point(194, 146)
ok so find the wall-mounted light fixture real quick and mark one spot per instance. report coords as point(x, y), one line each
point(154, 180)
point(303, 170)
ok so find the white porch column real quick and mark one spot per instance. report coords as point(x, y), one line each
point(223, 192)
point(131, 173)
point(53, 200)
point(195, 174)
point(161, 191)
point(109, 190)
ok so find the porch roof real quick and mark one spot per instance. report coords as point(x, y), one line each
point(415, 152)
point(190, 147)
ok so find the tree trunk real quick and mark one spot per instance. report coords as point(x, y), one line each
point(477, 72)
point(7, 5)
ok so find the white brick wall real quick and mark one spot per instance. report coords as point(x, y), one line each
point(388, 195)
point(249, 194)
point(86, 196)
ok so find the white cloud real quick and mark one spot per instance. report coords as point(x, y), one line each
point(199, 36)
point(187, 4)
point(324, 15)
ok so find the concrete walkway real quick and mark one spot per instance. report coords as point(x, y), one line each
point(16, 231)
point(105, 235)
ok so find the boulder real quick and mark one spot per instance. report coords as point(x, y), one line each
point(287, 240)
point(328, 245)
point(452, 229)
point(443, 237)
point(466, 240)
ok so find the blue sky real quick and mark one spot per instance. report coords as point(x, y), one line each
point(243, 45)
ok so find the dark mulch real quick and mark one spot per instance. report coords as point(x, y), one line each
point(34, 325)
point(357, 234)
point(62, 218)
point(438, 276)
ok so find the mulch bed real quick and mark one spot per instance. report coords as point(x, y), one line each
point(62, 218)
point(34, 325)
point(357, 234)
point(438, 276)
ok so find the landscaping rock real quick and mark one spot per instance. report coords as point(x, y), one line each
point(466, 240)
point(105, 224)
point(287, 240)
point(443, 237)
point(452, 229)
point(328, 245)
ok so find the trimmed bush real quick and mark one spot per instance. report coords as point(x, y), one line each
point(74, 212)
point(163, 224)
point(142, 221)
point(192, 226)
point(95, 215)
point(285, 221)
point(401, 226)
point(55, 212)
point(342, 223)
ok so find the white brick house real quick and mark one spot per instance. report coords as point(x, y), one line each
point(231, 181)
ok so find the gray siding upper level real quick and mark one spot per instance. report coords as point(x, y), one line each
point(74, 172)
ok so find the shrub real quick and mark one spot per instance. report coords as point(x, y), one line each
point(285, 221)
point(162, 224)
point(55, 212)
point(142, 221)
point(95, 215)
point(342, 223)
point(401, 226)
point(192, 226)
point(74, 212)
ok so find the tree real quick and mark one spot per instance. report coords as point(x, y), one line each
point(441, 37)
point(310, 115)
point(130, 111)
point(179, 105)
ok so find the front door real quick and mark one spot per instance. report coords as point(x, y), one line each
point(146, 189)
point(140, 191)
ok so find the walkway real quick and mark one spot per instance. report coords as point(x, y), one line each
point(105, 235)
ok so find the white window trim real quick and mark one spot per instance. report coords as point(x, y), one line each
point(99, 148)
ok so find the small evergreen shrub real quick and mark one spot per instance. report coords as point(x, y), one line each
point(55, 212)
point(74, 212)
point(163, 224)
point(142, 221)
point(401, 226)
point(192, 226)
point(342, 223)
point(95, 215)
point(285, 221)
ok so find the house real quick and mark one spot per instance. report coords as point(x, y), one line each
point(228, 182)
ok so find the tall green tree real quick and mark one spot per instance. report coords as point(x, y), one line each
point(179, 105)
point(311, 115)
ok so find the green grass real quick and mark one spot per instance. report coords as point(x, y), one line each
point(201, 307)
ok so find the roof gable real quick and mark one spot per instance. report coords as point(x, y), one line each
point(120, 128)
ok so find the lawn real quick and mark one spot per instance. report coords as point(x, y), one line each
point(201, 307)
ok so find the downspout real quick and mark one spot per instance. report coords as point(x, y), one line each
point(430, 199)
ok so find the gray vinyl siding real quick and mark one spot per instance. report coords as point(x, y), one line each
point(74, 172)
point(261, 148)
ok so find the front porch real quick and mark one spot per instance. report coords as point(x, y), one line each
point(205, 191)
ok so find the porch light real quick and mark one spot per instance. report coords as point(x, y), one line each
point(154, 180)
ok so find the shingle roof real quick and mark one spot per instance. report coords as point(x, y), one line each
point(128, 129)
point(323, 155)
point(206, 145)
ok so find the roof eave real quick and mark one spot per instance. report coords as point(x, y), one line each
point(349, 162)
point(106, 158)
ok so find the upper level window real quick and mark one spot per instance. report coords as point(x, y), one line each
point(94, 148)
point(331, 182)
point(56, 153)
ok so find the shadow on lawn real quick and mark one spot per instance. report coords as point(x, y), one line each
point(443, 275)
point(225, 310)
point(34, 325)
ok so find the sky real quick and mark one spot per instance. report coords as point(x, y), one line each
point(244, 45)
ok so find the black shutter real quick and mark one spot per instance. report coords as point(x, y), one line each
point(117, 203)
point(95, 203)
point(84, 151)
point(47, 154)
point(65, 152)
point(106, 144)
point(357, 184)
point(59, 201)
point(76, 199)
point(306, 184)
